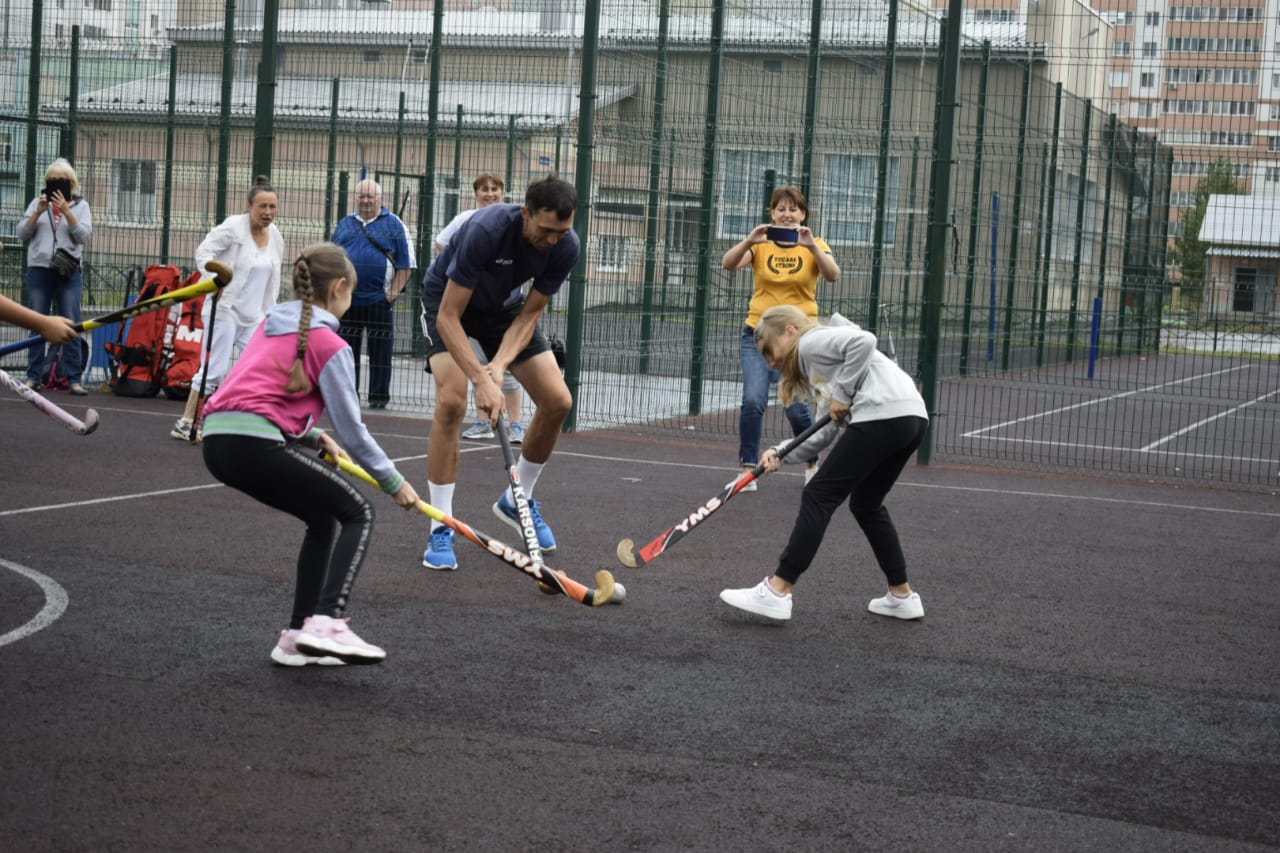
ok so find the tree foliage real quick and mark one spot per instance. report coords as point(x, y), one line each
point(1188, 251)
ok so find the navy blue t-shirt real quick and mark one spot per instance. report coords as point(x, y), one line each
point(490, 256)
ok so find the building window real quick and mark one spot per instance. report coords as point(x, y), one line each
point(847, 199)
point(1273, 144)
point(1120, 48)
point(133, 191)
point(1119, 79)
point(373, 56)
point(6, 147)
point(742, 185)
point(419, 56)
point(612, 253)
point(1067, 200)
point(1152, 19)
point(1150, 48)
point(1147, 80)
point(1244, 289)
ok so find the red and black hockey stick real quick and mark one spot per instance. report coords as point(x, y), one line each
point(555, 579)
point(221, 278)
point(59, 414)
point(633, 558)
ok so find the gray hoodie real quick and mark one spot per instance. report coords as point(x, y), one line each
point(842, 363)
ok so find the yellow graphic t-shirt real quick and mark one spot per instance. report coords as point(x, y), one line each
point(784, 276)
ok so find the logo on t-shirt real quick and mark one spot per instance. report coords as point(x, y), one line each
point(785, 264)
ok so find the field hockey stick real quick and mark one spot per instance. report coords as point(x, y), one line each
point(221, 278)
point(59, 414)
point(204, 371)
point(633, 558)
point(527, 530)
point(605, 586)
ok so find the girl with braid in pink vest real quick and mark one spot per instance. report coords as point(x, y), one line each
point(260, 438)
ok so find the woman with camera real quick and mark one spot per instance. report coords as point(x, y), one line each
point(58, 225)
point(786, 261)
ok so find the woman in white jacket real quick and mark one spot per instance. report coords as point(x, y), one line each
point(878, 420)
point(252, 245)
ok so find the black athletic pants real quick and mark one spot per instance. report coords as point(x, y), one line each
point(294, 480)
point(862, 466)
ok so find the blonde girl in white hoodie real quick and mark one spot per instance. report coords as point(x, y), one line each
point(878, 420)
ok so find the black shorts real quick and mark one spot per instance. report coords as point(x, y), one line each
point(486, 327)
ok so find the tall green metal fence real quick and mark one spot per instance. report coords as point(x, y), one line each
point(1036, 289)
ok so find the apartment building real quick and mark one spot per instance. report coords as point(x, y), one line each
point(1206, 78)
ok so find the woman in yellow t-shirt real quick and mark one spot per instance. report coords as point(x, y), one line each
point(784, 273)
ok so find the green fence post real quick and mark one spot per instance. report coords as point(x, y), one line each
point(457, 158)
point(224, 108)
point(330, 212)
point(1146, 248)
point(813, 83)
point(966, 330)
point(1105, 240)
point(1078, 256)
point(706, 236)
point(170, 132)
point(1161, 248)
point(939, 220)
point(652, 214)
point(264, 121)
point(1019, 189)
point(511, 151)
point(33, 109)
point(909, 255)
point(400, 112)
point(583, 173)
point(1127, 265)
point(427, 184)
point(67, 148)
point(1051, 201)
point(872, 321)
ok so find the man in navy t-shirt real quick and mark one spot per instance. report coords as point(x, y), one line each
point(474, 289)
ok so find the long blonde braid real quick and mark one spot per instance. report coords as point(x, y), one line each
point(305, 291)
point(315, 272)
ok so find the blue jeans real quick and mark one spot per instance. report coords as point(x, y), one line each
point(44, 287)
point(756, 379)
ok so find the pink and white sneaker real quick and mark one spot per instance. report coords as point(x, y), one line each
point(286, 652)
point(324, 635)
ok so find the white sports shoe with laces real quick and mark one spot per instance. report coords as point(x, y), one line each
point(760, 600)
point(910, 607)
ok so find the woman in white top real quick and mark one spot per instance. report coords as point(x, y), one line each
point(252, 245)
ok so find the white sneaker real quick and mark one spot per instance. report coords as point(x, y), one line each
point(749, 487)
point(910, 607)
point(760, 600)
point(809, 472)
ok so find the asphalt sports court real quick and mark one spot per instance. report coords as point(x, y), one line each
point(1097, 669)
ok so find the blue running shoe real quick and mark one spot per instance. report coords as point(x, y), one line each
point(439, 555)
point(505, 509)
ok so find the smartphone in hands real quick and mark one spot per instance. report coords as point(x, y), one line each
point(782, 235)
point(62, 185)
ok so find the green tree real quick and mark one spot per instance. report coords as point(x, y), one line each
point(1188, 252)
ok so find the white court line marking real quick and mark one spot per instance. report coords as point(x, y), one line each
point(979, 490)
point(1201, 423)
point(137, 495)
point(1180, 454)
point(1100, 400)
point(55, 604)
